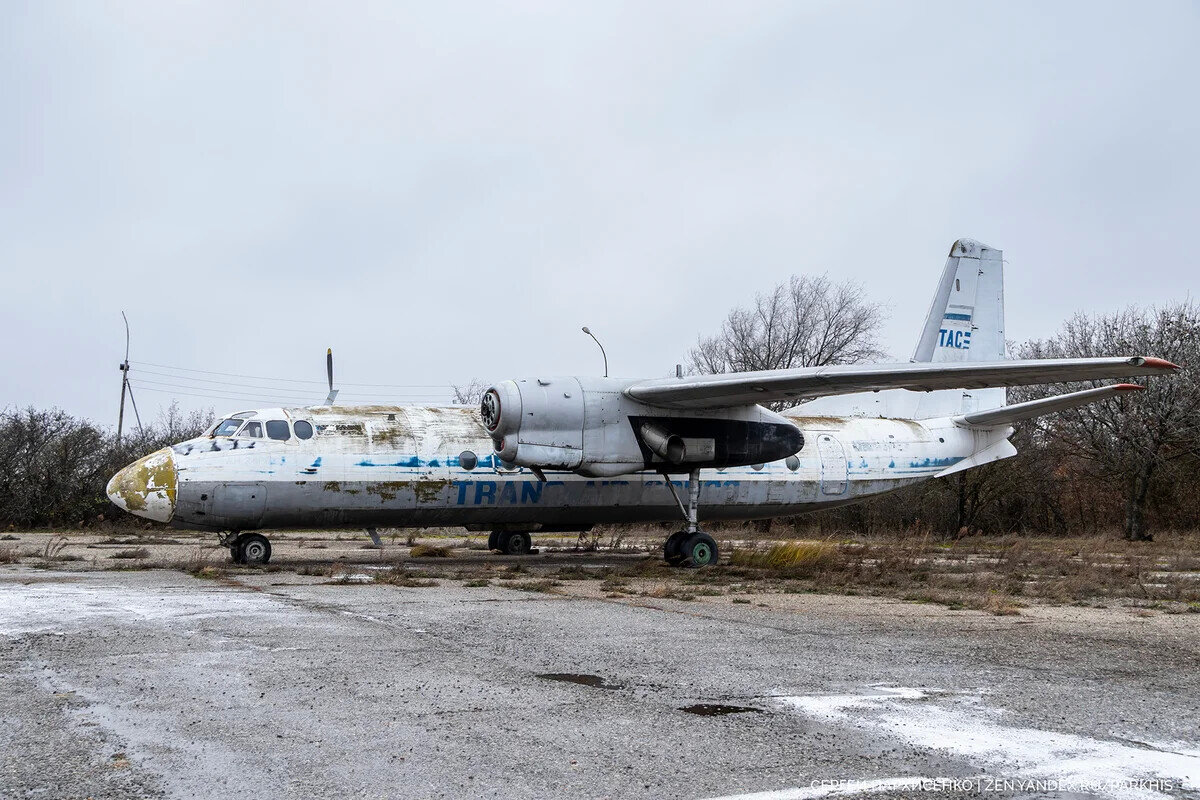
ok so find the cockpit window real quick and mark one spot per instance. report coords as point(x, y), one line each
point(227, 428)
point(253, 429)
point(278, 429)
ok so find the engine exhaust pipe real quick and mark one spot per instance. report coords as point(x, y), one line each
point(664, 444)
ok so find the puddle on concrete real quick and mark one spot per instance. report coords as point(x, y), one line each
point(718, 710)
point(582, 679)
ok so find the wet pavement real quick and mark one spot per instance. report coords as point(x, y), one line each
point(155, 683)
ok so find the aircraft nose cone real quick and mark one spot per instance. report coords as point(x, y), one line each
point(147, 487)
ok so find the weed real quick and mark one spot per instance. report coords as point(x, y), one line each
point(429, 551)
point(135, 552)
point(9, 555)
point(669, 593)
point(398, 576)
point(545, 586)
point(795, 558)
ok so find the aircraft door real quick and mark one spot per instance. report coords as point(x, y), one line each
point(834, 469)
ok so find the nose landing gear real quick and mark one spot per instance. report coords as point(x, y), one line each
point(251, 549)
point(690, 547)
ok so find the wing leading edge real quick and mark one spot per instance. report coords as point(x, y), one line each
point(747, 388)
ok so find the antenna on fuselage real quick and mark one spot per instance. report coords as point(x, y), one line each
point(329, 371)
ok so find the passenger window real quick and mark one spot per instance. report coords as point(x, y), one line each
point(278, 429)
point(228, 427)
point(252, 429)
point(304, 429)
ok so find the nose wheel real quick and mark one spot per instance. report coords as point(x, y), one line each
point(251, 549)
point(690, 547)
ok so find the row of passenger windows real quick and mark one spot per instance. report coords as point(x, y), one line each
point(277, 429)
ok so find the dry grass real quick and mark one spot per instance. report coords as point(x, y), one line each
point(398, 576)
point(9, 554)
point(545, 586)
point(135, 552)
point(429, 551)
point(797, 558)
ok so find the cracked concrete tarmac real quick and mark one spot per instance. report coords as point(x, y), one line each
point(154, 683)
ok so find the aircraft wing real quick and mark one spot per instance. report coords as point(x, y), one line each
point(746, 388)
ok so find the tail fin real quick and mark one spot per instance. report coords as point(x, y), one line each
point(966, 321)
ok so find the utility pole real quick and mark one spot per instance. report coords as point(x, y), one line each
point(124, 379)
point(125, 385)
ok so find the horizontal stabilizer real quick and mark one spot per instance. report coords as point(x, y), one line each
point(1006, 415)
point(749, 388)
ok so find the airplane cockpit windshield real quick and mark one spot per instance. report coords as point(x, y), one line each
point(230, 426)
point(252, 425)
point(227, 428)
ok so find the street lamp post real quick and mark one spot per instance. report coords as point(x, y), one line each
point(597, 341)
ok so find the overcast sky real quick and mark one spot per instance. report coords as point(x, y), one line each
point(441, 191)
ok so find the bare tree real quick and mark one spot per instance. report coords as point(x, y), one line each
point(802, 322)
point(1135, 442)
point(470, 394)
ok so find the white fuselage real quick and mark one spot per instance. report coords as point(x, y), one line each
point(401, 466)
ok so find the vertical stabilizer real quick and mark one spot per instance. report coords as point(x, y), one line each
point(966, 319)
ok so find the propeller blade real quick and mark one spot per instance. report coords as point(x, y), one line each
point(329, 371)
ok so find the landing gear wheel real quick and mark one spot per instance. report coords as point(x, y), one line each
point(494, 540)
point(700, 550)
point(255, 549)
point(673, 548)
point(514, 543)
point(235, 554)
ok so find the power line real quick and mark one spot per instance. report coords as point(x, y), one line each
point(289, 380)
point(271, 394)
point(287, 389)
point(240, 399)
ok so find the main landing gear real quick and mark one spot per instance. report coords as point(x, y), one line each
point(511, 543)
point(690, 547)
point(251, 549)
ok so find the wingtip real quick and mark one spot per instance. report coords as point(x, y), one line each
point(1160, 363)
point(1127, 387)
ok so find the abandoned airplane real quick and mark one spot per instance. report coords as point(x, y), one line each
point(565, 453)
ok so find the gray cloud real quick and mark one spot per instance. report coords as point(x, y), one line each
point(443, 191)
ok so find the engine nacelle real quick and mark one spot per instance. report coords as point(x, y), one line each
point(589, 426)
point(538, 423)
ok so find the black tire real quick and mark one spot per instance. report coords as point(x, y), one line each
point(255, 549)
point(235, 553)
point(494, 540)
point(673, 548)
point(515, 543)
point(700, 550)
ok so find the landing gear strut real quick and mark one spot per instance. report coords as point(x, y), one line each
point(251, 549)
point(690, 547)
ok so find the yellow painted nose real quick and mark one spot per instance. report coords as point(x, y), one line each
point(147, 486)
